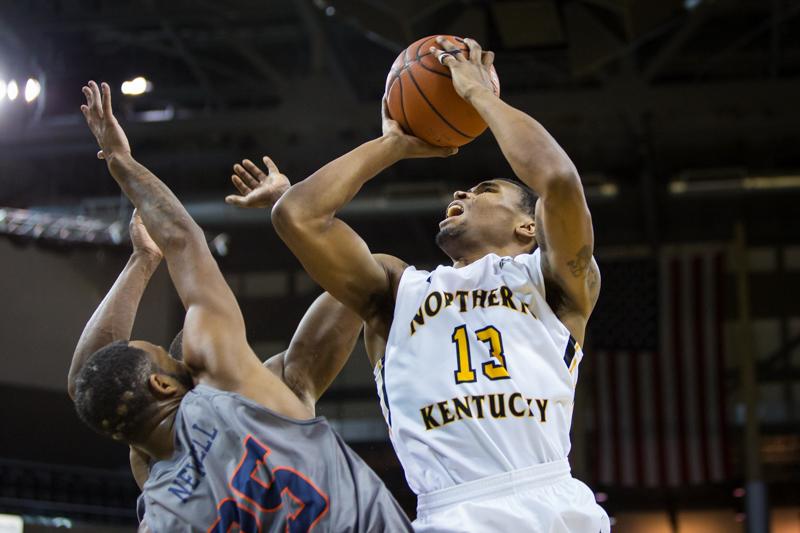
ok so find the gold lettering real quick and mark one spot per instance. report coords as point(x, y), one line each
point(447, 416)
point(419, 318)
point(497, 406)
point(448, 299)
point(508, 297)
point(478, 298)
point(462, 300)
point(542, 405)
point(463, 409)
point(479, 404)
point(511, 405)
point(428, 418)
point(493, 298)
point(433, 310)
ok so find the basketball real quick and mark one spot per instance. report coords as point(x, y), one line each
point(421, 98)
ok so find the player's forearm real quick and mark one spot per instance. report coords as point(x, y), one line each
point(164, 216)
point(319, 197)
point(532, 152)
point(320, 347)
point(113, 319)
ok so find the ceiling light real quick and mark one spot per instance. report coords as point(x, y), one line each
point(32, 90)
point(12, 90)
point(136, 86)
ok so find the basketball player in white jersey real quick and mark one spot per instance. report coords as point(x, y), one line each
point(476, 363)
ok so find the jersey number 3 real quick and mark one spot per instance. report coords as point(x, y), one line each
point(465, 373)
point(311, 502)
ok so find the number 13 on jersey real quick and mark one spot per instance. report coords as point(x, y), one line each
point(494, 369)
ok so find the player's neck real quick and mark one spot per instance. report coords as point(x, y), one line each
point(160, 441)
point(470, 256)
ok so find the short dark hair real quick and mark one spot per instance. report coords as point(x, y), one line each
point(112, 392)
point(527, 196)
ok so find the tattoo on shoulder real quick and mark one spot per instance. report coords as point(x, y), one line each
point(579, 266)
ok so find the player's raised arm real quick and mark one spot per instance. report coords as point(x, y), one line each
point(113, 319)
point(320, 347)
point(331, 252)
point(564, 225)
point(326, 335)
point(214, 327)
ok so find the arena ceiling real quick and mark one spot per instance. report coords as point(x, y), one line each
point(641, 93)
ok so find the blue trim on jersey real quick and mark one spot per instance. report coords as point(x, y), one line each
point(385, 394)
point(569, 353)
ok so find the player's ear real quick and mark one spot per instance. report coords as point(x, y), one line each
point(526, 231)
point(163, 386)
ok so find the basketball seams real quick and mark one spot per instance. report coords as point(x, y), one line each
point(436, 111)
point(403, 107)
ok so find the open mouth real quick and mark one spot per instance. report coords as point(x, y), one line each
point(454, 210)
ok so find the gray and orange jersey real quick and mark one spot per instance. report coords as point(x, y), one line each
point(240, 466)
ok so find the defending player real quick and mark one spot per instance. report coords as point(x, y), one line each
point(319, 348)
point(476, 363)
point(232, 445)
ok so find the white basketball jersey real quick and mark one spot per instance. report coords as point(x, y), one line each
point(478, 375)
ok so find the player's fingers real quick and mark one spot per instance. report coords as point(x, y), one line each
point(87, 93)
point(240, 186)
point(245, 176)
point(444, 57)
point(271, 166)
point(255, 173)
point(238, 201)
point(96, 98)
point(487, 59)
point(106, 98)
point(474, 51)
point(450, 47)
point(85, 111)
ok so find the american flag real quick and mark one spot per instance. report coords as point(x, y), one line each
point(659, 392)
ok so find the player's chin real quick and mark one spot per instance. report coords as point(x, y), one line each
point(451, 222)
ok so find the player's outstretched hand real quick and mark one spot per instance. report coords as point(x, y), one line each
point(410, 146)
point(469, 75)
point(256, 189)
point(100, 118)
point(141, 239)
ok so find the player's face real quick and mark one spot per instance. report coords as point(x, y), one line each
point(485, 215)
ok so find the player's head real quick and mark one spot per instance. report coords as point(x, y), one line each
point(127, 387)
point(497, 215)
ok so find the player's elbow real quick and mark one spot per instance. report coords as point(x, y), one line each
point(563, 185)
point(290, 218)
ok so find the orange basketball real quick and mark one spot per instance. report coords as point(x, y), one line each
point(420, 96)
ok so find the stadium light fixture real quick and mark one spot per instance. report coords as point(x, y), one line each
point(32, 90)
point(12, 90)
point(136, 86)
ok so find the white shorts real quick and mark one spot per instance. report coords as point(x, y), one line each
point(542, 499)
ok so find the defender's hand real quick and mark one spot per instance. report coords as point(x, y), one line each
point(409, 146)
point(100, 118)
point(469, 75)
point(257, 190)
point(141, 240)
